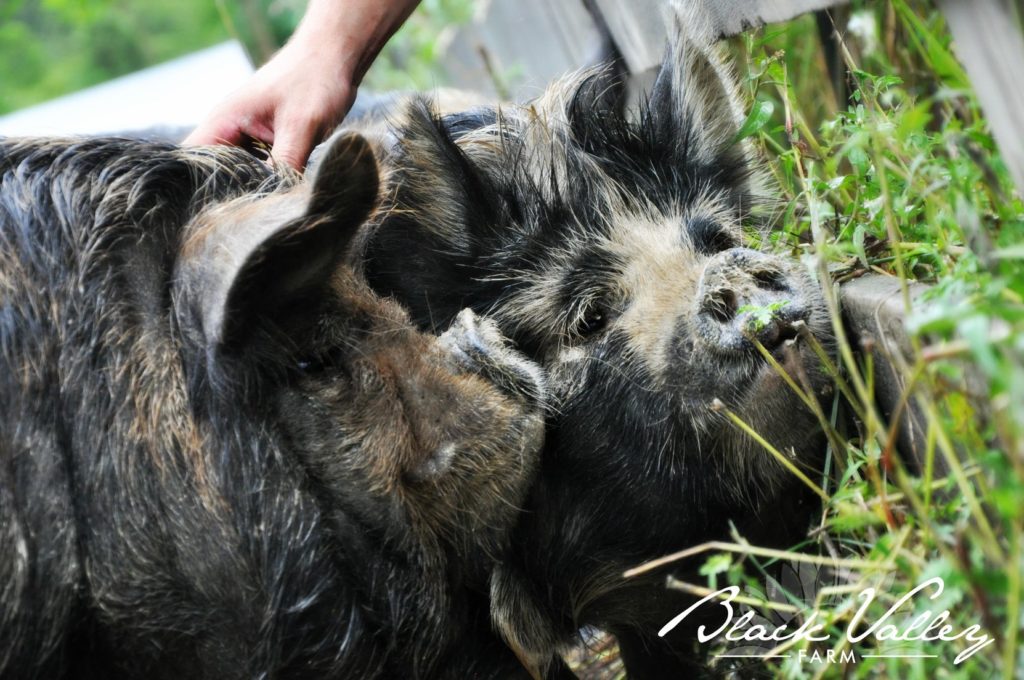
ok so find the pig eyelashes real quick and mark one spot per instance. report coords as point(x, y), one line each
point(587, 317)
point(709, 237)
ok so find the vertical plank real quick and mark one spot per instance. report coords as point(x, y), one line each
point(638, 29)
point(538, 40)
point(527, 42)
point(638, 26)
point(732, 17)
point(873, 307)
point(987, 39)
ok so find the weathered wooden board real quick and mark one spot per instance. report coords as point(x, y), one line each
point(987, 39)
point(638, 26)
point(873, 307)
point(737, 16)
point(524, 44)
point(530, 42)
point(638, 29)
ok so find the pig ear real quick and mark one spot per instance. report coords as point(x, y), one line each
point(454, 202)
point(346, 181)
point(695, 101)
point(272, 256)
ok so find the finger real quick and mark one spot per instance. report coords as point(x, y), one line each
point(293, 144)
point(215, 133)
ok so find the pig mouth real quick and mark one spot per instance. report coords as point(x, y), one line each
point(793, 356)
point(795, 362)
point(758, 374)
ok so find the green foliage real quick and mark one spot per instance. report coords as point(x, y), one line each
point(411, 58)
point(409, 61)
point(761, 315)
point(262, 26)
point(760, 113)
point(906, 180)
point(52, 47)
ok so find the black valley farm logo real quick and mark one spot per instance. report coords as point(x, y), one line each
point(910, 626)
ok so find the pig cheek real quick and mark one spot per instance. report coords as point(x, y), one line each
point(773, 410)
point(568, 371)
point(406, 408)
point(387, 445)
point(398, 407)
point(367, 430)
point(473, 431)
point(482, 469)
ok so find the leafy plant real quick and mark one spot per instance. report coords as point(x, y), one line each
point(761, 315)
point(904, 180)
point(53, 47)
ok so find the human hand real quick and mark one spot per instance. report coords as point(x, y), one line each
point(290, 104)
point(306, 89)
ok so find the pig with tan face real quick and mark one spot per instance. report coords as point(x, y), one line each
point(610, 248)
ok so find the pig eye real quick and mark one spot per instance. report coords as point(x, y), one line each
point(710, 237)
point(591, 322)
point(309, 365)
point(319, 362)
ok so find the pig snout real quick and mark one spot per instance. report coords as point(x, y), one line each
point(744, 295)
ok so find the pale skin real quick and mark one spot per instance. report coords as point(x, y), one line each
point(294, 100)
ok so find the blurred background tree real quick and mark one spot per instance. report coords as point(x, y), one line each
point(53, 47)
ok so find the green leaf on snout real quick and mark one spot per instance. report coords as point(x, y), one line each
point(761, 315)
point(715, 565)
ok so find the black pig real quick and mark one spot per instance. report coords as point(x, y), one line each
point(610, 248)
point(221, 455)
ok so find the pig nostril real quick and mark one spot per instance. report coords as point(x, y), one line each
point(721, 305)
point(787, 331)
point(768, 279)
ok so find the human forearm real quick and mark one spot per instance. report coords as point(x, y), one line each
point(350, 33)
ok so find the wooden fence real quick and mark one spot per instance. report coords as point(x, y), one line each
point(535, 41)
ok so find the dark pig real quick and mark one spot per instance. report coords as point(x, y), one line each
point(223, 456)
point(610, 247)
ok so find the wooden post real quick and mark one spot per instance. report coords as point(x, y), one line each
point(873, 307)
point(638, 26)
point(739, 16)
point(523, 43)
